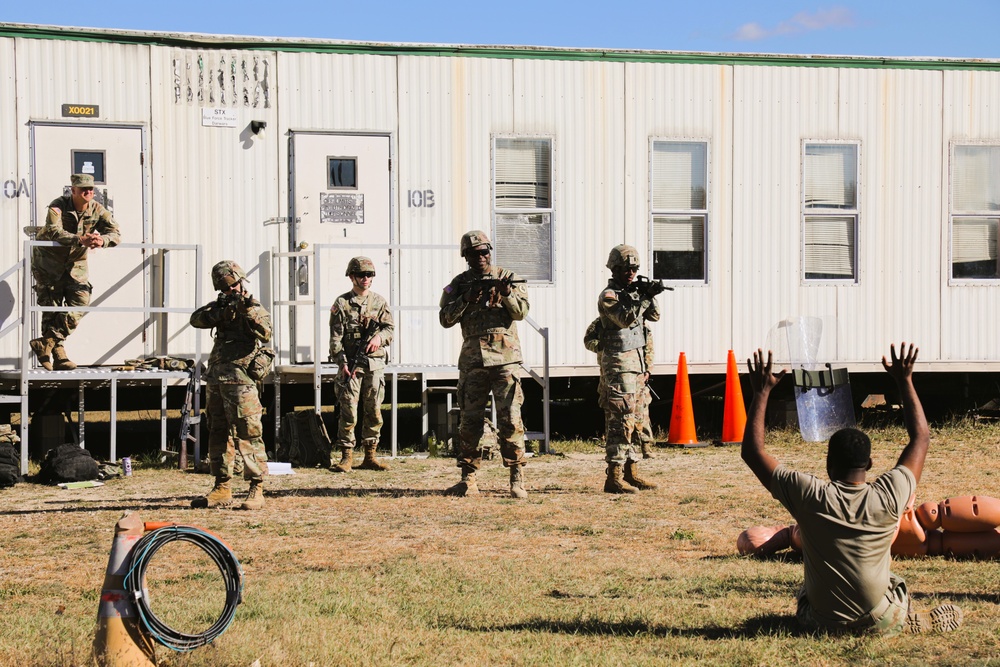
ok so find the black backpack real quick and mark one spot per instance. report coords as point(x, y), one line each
point(304, 440)
point(10, 465)
point(67, 463)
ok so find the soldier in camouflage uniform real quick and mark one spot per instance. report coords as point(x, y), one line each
point(78, 224)
point(234, 411)
point(487, 303)
point(352, 314)
point(592, 341)
point(624, 370)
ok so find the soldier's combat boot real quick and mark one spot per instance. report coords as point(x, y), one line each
point(371, 462)
point(517, 482)
point(632, 477)
point(255, 497)
point(221, 495)
point(647, 449)
point(60, 362)
point(346, 459)
point(42, 347)
point(466, 488)
point(614, 483)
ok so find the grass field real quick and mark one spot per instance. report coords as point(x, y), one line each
point(381, 569)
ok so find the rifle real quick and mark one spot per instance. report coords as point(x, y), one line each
point(488, 288)
point(232, 304)
point(186, 421)
point(648, 288)
point(368, 331)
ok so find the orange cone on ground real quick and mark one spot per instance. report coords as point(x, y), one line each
point(682, 430)
point(119, 640)
point(734, 412)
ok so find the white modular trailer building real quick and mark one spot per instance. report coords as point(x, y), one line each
point(823, 206)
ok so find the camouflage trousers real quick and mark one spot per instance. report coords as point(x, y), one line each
point(234, 413)
point(625, 416)
point(645, 424)
point(474, 387)
point(887, 618)
point(366, 388)
point(63, 292)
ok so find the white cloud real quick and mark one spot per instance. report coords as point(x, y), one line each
point(835, 17)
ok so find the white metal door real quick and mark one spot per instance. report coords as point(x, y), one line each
point(119, 276)
point(340, 185)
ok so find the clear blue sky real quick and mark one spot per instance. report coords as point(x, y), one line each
point(960, 28)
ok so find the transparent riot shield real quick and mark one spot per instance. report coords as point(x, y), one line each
point(823, 400)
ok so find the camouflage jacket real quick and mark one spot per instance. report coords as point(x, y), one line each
point(238, 330)
point(488, 331)
point(349, 314)
point(619, 308)
point(65, 226)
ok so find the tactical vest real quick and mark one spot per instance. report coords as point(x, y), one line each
point(622, 340)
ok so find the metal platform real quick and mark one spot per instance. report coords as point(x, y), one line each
point(101, 377)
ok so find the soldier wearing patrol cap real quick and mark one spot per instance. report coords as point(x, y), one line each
point(487, 301)
point(78, 224)
point(359, 318)
point(624, 369)
point(233, 406)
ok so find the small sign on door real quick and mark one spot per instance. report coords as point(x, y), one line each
point(218, 117)
point(345, 209)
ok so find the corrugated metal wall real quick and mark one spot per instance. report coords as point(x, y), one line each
point(217, 186)
point(448, 110)
point(970, 314)
point(689, 102)
point(582, 107)
point(213, 185)
point(14, 205)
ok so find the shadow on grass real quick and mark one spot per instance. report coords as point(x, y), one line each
point(769, 625)
point(71, 505)
point(325, 492)
point(780, 557)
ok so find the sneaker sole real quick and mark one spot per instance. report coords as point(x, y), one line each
point(943, 618)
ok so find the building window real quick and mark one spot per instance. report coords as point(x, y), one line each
point(341, 173)
point(830, 211)
point(678, 183)
point(975, 211)
point(522, 206)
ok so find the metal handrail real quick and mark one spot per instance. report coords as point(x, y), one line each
point(28, 307)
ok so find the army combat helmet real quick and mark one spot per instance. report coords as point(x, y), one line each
point(624, 256)
point(474, 239)
point(360, 265)
point(225, 274)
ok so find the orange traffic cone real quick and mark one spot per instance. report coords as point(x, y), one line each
point(734, 412)
point(682, 430)
point(119, 640)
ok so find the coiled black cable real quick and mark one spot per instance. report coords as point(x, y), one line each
point(220, 554)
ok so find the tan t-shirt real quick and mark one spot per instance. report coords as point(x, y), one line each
point(847, 530)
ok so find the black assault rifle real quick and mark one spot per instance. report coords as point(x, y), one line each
point(488, 288)
point(187, 419)
point(648, 288)
point(368, 332)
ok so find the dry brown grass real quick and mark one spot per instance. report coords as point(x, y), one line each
point(381, 569)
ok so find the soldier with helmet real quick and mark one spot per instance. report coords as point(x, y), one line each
point(622, 311)
point(78, 224)
point(487, 301)
point(237, 362)
point(361, 330)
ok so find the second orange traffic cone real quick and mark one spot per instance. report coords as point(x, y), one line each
point(682, 430)
point(734, 412)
